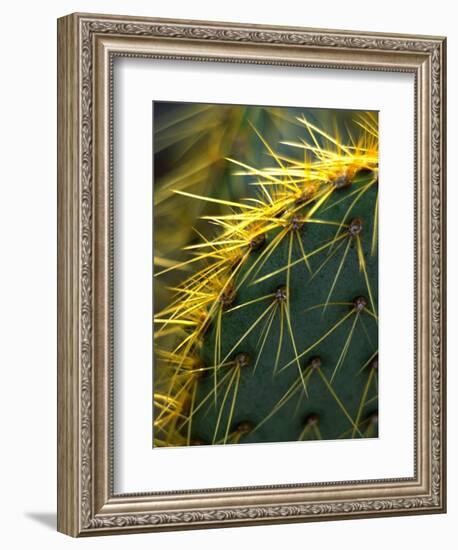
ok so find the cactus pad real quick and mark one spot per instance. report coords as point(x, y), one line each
point(268, 330)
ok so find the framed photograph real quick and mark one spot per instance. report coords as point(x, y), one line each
point(251, 281)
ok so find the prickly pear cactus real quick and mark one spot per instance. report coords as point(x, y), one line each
point(272, 335)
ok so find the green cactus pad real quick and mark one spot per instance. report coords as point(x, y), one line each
point(259, 391)
point(272, 333)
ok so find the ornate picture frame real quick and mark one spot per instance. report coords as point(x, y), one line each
point(87, 46)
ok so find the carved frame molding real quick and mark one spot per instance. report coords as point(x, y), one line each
point(87, 45)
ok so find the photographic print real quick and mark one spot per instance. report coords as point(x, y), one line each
point(220, 267)
point(266, 274)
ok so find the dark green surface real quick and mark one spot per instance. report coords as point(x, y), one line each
point(259, 391)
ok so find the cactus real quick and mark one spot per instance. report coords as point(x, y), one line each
point(272, 335)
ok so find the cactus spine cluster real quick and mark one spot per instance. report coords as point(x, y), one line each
point(272, 334)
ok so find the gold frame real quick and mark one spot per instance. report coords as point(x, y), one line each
point(87, 44)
